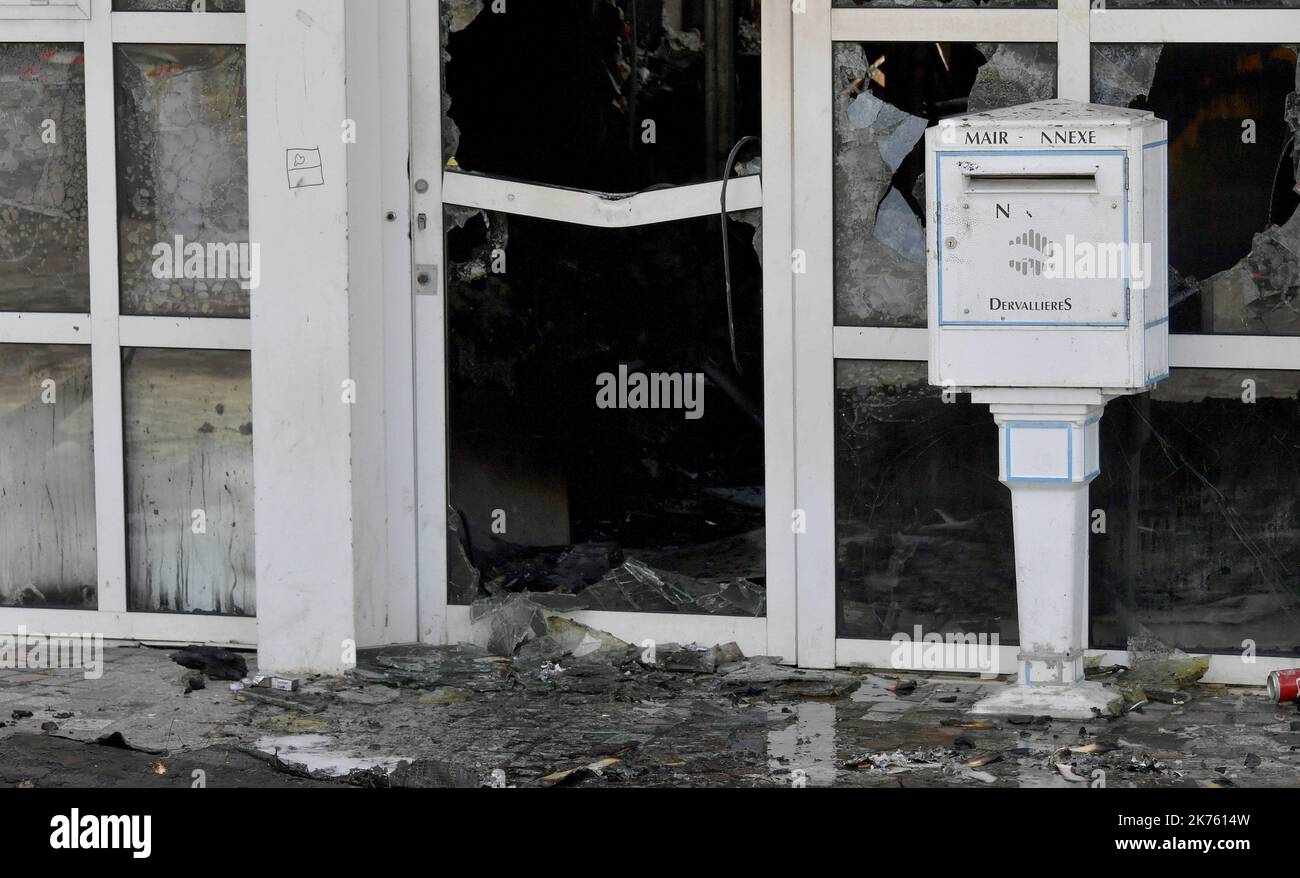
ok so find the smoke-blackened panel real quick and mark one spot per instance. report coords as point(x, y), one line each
point(182, 162)
point(605, 449)
point(47, 479)
point(44, 261)
point(189, 481)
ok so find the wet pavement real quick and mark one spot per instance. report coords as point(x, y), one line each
point(576, 707)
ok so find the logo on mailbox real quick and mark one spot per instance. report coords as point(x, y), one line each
point(1031, 264)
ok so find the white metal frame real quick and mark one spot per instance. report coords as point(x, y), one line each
point(439, 623)
point(381, 335)
point(49, 9)
point(105, 330)
point(1074, 27)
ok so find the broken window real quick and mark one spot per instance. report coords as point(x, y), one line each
point(610, 95)
point(1197, 495)
point(923, 526)
point(183, 181)
point(47, 481)
point(886, 95)
point(1233, 228)
point(1193, 516)
point(606, 451)
point(189, 481)
point(44, 262)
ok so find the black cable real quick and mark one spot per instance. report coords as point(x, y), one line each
point(726, 249)
point(1277, 172)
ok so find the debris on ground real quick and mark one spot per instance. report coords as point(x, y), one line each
point(1155, 666)
point(764, 674)
point(1156, 673)
point(467, 667)
point(577, 706)
point(214, 661)
point(716, 578)
point(502, 624)
point(943, 760)
point(275, 682)
point(571, 775)
point(897, 761)
point(118, 741)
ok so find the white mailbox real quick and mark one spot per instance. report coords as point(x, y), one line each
point(1049, 297)
point(1047, 248)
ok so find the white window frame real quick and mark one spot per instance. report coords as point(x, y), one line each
point(1074, 27)
point(47, 10)
point(106, 331)
point(773, 634)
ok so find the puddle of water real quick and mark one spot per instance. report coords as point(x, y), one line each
point(866, 693)
point(320, 755)
point(807, 744)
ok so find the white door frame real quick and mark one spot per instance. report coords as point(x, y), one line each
point(440, 623)
point(1074, 27)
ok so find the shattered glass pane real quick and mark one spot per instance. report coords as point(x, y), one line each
point(923, 526)
point(189, 481)
point(1234, 234)
point(886, 95)
point(177, 5)
point(183, 181)
point(44, 264)
point(609, 95)
point(605, 452)
point(47, 479)
point(1201, 545)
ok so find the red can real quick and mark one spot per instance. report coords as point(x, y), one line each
point(1284, 686)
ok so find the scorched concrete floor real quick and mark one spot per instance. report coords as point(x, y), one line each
point(459, 717)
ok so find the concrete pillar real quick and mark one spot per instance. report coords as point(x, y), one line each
point(302, 450)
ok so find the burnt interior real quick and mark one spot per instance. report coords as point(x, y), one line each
point(1224, 189)
point(528, 438)
point(559, 92)
point(553, 492)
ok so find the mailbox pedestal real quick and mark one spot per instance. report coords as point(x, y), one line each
point(1048, 455)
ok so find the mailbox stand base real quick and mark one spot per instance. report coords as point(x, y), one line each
point(1070, 701)
point(1048, 454)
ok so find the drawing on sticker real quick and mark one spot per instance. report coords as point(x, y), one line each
point(304, 168)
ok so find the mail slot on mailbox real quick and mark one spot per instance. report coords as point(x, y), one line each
point(1047, 248)
point(1048, 298)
